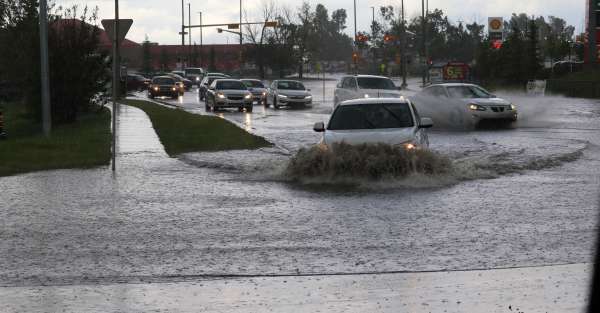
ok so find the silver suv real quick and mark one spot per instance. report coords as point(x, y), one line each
point(364, 86)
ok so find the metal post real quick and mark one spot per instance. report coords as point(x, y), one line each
point(182, 34)
point(403, 53)
point(45, 72)
point(592, 44)
point(115, 87)
point(423, 45)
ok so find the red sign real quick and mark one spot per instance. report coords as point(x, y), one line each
point(456, 71)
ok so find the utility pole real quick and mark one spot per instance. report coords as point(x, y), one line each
point(115, 87)
point(403, 52)
point(45, 72)
point(182, 34)
point(241, 44)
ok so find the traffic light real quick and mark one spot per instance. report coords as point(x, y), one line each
point(387, 38)
point(355, 57)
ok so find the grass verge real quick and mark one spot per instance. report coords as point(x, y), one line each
point(182, 132)
point(83, 144)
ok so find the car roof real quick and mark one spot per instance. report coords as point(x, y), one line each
point(366, 76)
point(374, 100)
point(251, 80)
point(228, 80)
point(169, 77)
point(451, 84)
point(287, 80)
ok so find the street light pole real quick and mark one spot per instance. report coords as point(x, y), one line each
point(45, 75)
point(355, 33)
point(200, 13)
point(373, 20)
point(592, 44)
point(115, 85)
point(189, 34)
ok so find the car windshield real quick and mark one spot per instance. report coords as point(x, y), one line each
point(254, 83)
point(371, 116)
point(290, 85)
point(467, 92)
point(230, 85)
point(194, 71)
point(210, 80)
point(163, 81)
point(375, 83)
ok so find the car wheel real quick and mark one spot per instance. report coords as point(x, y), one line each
point(275, 106)
point(206, 107)
point(249, 109)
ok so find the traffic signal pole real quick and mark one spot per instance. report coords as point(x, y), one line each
point(182, 35)
point(115, 85)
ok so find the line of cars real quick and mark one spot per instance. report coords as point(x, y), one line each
point(219, 91)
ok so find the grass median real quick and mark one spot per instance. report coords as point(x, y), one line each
point(83, 144)
point(182, 132)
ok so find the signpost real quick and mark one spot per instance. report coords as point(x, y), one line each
point(116, 30)
point(496, 31)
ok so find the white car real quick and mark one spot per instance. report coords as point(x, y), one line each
point(385, 120)
point(289, 93)
point(364, 86)
point(465, 104)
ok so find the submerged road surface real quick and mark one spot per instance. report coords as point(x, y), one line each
point(525, 196)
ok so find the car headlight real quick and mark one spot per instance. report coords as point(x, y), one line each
point(513, 107)
point(155, 88)
point(174, 89)
point(367, 96)
point(308, 97)
point(264, 93)
point(248, 96)
point(409, 146)
point(197, 79)
point(221, 96)
point(476, 107)
point(282, 96)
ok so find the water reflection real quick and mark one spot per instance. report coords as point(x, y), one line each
point(248, 122)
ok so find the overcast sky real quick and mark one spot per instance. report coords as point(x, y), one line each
point(160, 20)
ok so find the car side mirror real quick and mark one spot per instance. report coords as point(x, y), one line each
point(307, 89)
point(399, 88)
point(426, 122)
point(319, 127)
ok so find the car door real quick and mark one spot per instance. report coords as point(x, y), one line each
point(339, 90)
point(344, 91)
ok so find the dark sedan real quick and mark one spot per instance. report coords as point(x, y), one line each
point(257, 88)
point(163, 86)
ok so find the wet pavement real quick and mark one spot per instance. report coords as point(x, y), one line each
point(526, 196)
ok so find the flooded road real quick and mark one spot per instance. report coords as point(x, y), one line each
point(526, 196)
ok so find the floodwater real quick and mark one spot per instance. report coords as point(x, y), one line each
point(525, 195)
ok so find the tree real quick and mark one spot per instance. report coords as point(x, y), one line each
point(146, 57)
point(256, 35)
point(532, 53)
point(78, 69)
